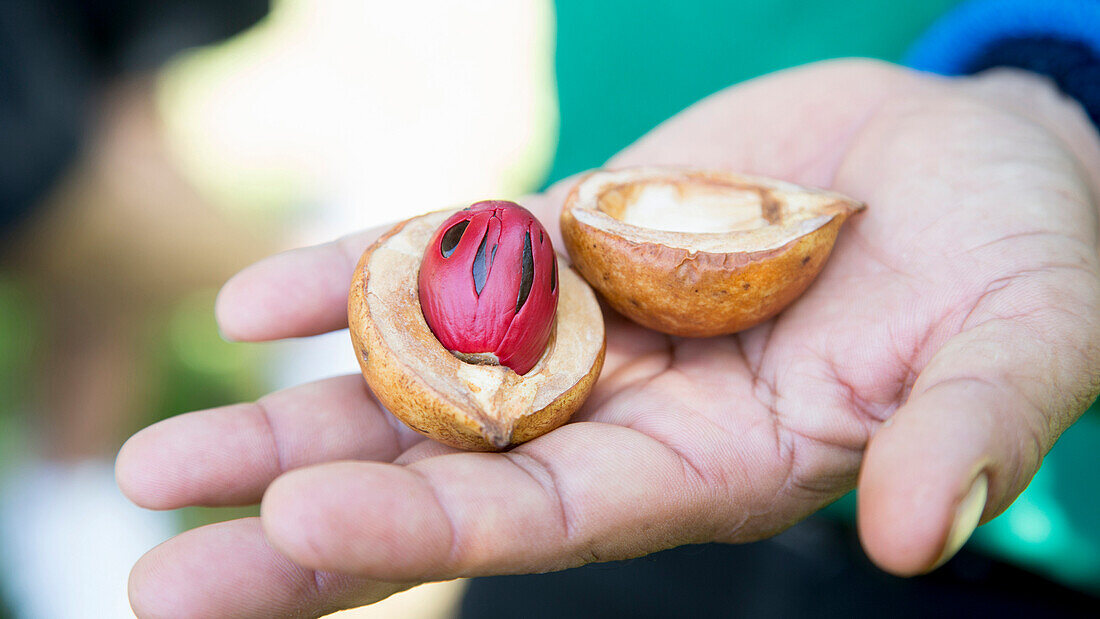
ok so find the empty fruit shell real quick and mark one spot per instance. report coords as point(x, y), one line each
point(699, 253)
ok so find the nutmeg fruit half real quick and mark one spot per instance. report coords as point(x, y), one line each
point(466, 405)
point(699, 253)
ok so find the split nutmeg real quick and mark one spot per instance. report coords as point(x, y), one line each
point(469, 329)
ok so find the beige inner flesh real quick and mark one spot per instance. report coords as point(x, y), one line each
point(687, 207)
point(496, 392)
point(718, 213)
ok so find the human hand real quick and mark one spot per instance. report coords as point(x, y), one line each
point(950, 339)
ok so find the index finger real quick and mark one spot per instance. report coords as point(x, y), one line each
point(304, 292)
point(296, 293)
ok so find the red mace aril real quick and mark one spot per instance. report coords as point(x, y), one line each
point(488, 285)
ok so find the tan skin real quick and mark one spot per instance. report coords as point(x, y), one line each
point(954, 332)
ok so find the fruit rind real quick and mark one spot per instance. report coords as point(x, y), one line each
point(664, 280)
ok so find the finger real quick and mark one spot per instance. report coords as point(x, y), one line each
point(585, 492)
point(297, 293)
point(229, 570)
point(980, 418)
point(228, 455)
point(304, 291)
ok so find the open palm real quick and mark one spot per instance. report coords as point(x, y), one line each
point(953, 335)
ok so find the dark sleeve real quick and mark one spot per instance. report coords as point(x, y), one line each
point(56, 54)
point(1056, 38)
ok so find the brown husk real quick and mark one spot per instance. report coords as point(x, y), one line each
point(776, 240)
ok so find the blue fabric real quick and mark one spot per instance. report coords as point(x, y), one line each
point(964, 33)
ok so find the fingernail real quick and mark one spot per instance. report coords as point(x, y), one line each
point(967, 515)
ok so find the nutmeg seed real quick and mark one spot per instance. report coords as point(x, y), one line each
point(488, 285)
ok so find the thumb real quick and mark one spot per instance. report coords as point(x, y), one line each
point(979, 420)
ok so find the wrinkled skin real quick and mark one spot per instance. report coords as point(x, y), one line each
point(953, 333)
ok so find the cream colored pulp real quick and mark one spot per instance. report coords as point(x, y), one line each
point(721, 214)
point(698, 209)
